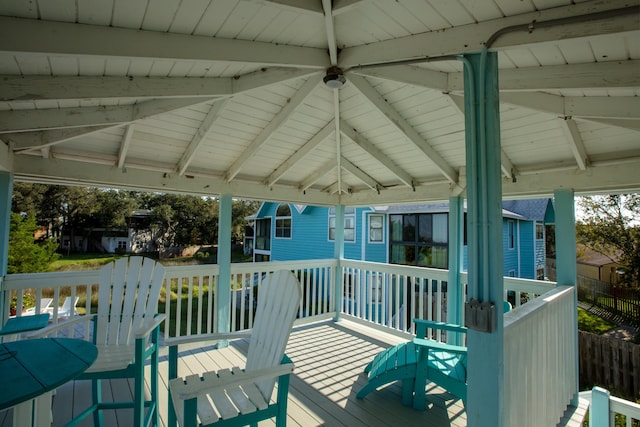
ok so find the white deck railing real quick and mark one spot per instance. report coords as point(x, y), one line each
point(540, 359)
point(603, 409)
point(385, 296)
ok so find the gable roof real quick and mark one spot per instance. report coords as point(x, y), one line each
point(534, 209)
point(231, 96)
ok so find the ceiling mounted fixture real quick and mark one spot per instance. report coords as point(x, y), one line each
point(334, 78)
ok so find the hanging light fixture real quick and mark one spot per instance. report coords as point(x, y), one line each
point(334, 78)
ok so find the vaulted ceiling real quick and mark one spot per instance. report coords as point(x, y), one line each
point(227, 96)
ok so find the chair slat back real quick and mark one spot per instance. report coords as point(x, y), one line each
point(278, 301)
point(128, 294)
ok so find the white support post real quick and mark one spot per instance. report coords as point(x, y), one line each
point(6, 190)
point(455, 293)
point(223, 288)
point(338, 254)
point(566, 269)
point(599, 412)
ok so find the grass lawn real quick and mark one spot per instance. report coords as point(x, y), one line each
point(589, 322)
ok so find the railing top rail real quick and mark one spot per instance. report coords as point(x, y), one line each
point(524, 311)
point(408, 270)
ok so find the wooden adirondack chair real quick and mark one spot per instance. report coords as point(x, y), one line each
point(241, 397)
point(421, 361)
point(126, 332)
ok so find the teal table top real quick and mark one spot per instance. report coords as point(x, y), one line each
point(29, 368)
point(17, 325)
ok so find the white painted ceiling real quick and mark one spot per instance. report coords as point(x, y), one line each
point(227, 96)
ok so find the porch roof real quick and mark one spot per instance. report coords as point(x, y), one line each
point(227, 97)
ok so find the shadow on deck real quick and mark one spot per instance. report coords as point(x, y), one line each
point(329, 362)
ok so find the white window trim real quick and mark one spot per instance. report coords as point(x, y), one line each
point(375, 242)
point(346, 215)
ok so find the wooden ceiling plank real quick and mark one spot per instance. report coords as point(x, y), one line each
point(412, 135)
point(377, 154)
point(305, 150)
point(273, 125)
point(200, 135)
point(360, 174)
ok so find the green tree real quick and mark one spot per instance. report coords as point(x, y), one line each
point(611, 226)
point(25, 254)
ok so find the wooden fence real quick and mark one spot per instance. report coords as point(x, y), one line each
point(610, 363)
point(624, 302)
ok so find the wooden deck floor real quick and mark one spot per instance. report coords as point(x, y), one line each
point(329, 359)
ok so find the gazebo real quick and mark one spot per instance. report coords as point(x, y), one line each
point(334, 103)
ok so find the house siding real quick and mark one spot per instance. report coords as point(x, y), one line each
point(527, 250)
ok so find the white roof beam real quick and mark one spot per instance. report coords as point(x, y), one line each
point(508, 170)
point(311, 7)
point(394, 117)
point(67, 172)
point(600, 75)
point(124, 146)
point(324, 170)
point(28, 141)
point(307, 148)
point(62, 38)
point(360, 174)
point(273, 125)
point(342, 6)
point(40, 139)
point(595, 107)
point(575, 142)
point(377, 154)
point(408, 74)
point(54, 118)
point(34, 88)
point(200, 135)
point(473, 37)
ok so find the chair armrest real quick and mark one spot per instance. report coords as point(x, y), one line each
point(147, 327)
point(422, 326)
point(173, 341)
point(60, 325)
point(211, 382)
point(439, 346)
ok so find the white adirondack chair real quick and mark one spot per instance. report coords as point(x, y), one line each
point(126, 332)
point(236, 396)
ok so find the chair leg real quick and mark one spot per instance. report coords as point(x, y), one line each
point(96, 391)
point(138, 388)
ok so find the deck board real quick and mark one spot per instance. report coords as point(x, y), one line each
point(329, 363)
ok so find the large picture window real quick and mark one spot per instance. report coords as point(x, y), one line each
point(349, 224)
point(419, 239)
point(283, 221)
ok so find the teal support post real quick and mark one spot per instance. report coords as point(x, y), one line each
point(338, 254)
point(566, 269)
point(599, 412)
point(485, 338)
point(455, 292)
point(6, 190)
point(223, 287)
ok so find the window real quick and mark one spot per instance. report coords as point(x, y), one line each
point(419, 239)
point(349, 224)
point(511, 225)
point(540, 274)
point(283, 221)
point(263, 234)
point(539, 231)
point(122, 244)
point(375, 229)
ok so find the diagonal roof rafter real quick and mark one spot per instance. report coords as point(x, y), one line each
point(412, 135)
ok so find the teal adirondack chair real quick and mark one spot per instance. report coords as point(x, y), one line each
point(241, 397)
point(421, 361)
point(126, 331)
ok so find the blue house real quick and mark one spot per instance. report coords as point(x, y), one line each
point(403, 234)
